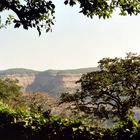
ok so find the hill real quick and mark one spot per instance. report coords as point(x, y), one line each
point(17, 71)
point(54, 82)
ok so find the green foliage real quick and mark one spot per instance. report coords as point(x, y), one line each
point(36, 102)
point(126, 130)
point(26, 125)
point(105, 8)
point(9, 89)
point(39, 14)
point(4, 108)
point(113, 91)
point(29, 13)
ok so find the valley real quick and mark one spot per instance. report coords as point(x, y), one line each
point(54, 82)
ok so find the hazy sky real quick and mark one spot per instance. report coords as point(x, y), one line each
point(75, 42)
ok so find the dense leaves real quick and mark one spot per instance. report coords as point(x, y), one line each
point(29, 13)
point(40, 13)
point(112, 91)
point(105, 8)
point(25, 125)
point(9, 89)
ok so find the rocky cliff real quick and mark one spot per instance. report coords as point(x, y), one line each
point(54, 82)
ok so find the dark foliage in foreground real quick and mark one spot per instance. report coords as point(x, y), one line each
point(25, 125)
point(40, 13)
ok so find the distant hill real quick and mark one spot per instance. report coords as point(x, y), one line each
point(73, 71)
point(54, 82)
point(17, 71)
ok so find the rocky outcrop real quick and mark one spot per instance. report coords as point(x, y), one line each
point(54, 82)
point(24, 79)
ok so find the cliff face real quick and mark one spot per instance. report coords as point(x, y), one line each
point(54, 82)
point(69, 80)
point(24, 79)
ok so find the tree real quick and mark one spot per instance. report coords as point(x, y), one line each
point(37, 102)
point(9, 89)
point(112, 91)
point(40, 13)
point(29, 13)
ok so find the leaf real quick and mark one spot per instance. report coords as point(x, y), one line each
point(17, 25)
point(122, 1)
point(47, 30)
point(39, 30)
point(72, 2)
point(1, 7)
point(66, 2)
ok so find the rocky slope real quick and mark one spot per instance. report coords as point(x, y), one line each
point(54, 82)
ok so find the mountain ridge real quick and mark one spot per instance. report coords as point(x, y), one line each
point(54, 82)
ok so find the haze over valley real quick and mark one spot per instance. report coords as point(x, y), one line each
point(54, 82)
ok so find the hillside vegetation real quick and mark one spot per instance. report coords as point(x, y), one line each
point(17, 71)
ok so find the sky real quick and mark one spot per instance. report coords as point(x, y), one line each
point(75, 42)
